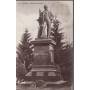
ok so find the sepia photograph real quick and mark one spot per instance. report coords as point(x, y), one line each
point(44, 45)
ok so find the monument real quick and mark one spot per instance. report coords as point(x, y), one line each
point(43, 66)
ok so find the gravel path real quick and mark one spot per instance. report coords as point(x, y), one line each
point(29, 88)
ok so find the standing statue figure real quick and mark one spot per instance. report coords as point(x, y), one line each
point(45, 17)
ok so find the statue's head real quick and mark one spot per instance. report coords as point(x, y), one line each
point(45, 7)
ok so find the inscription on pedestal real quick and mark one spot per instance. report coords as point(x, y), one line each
point(41, 58)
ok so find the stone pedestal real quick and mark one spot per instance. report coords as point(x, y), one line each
point(43, 52)
point(43, 67)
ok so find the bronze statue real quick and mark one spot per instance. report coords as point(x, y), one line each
point(45, 17)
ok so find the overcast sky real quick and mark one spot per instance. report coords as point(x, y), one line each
point(27, 13)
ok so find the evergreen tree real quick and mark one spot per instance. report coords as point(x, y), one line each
point(63, 53)
point(67, 60)
point(20, 70)
point(24, 50)
point(57, 36)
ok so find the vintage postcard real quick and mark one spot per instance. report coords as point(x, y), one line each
point(44, 45)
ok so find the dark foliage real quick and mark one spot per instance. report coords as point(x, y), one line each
point(57, 36)
point(20, 70)
point(63, 53)
point(66, 62)
point(24, 50)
